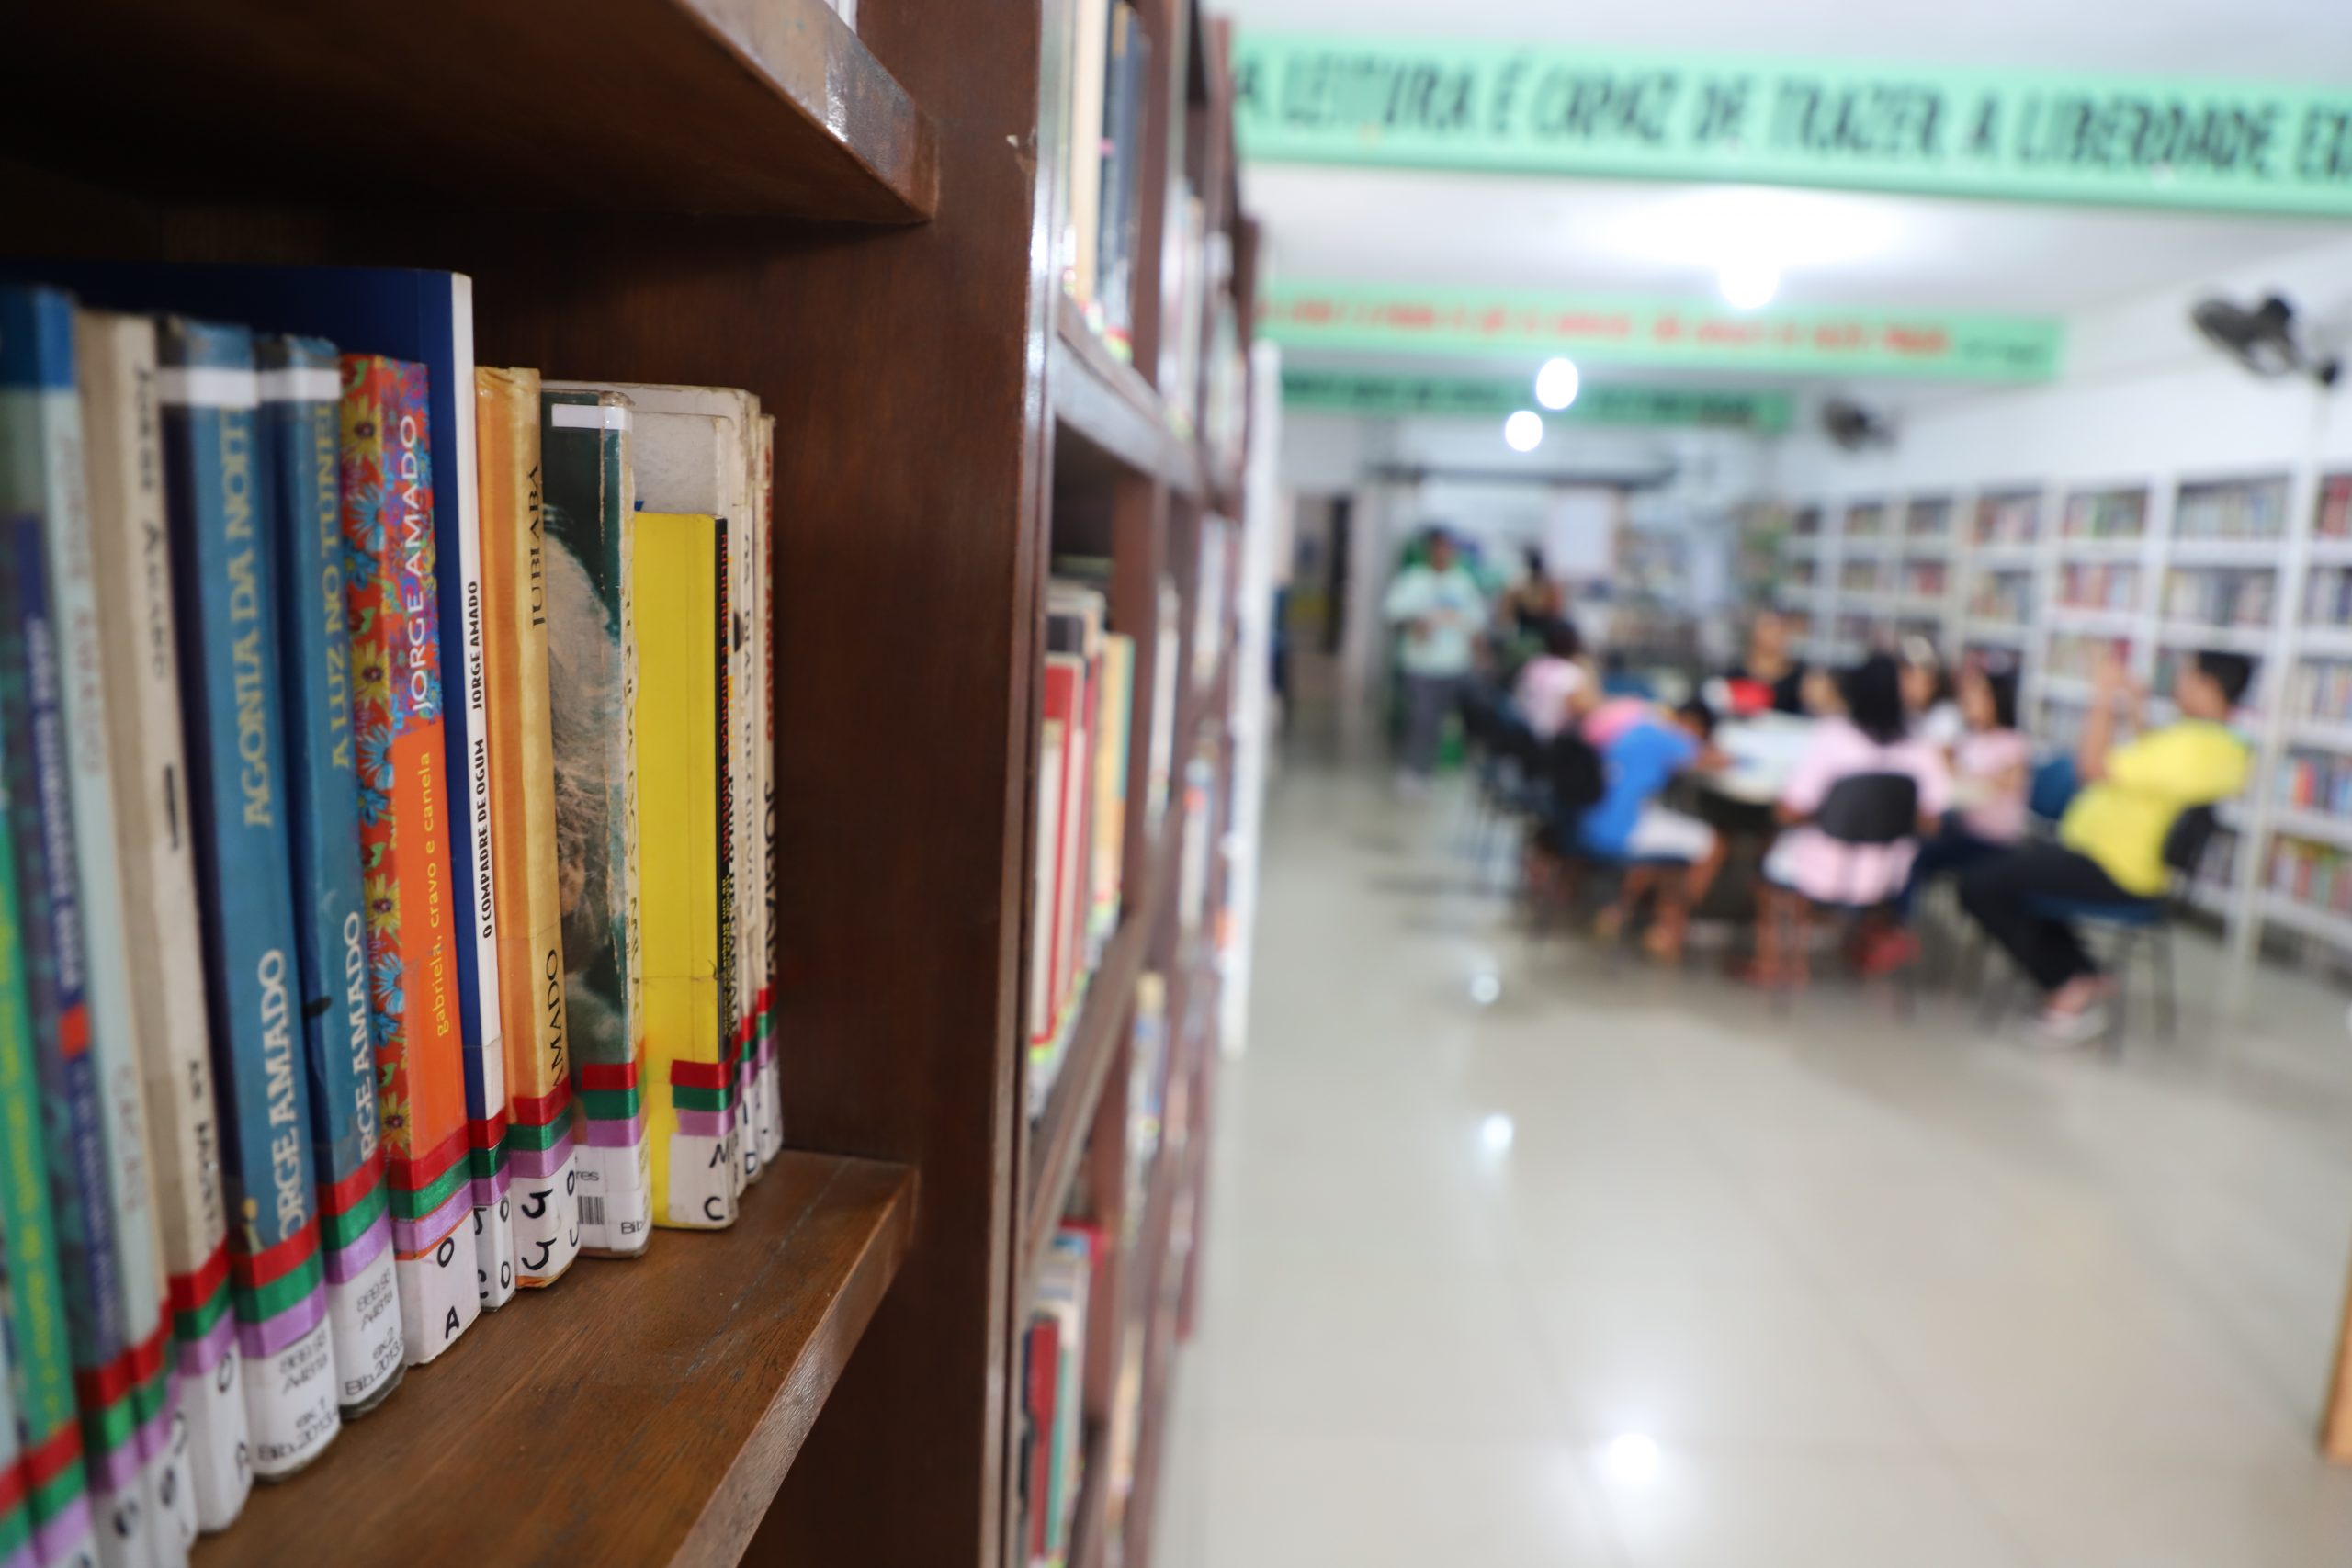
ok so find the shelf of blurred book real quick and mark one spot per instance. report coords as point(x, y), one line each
point(1107, 402)
point(644, 1412)
point(746, 107)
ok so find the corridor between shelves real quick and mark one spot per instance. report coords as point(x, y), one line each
point(1515, 1262)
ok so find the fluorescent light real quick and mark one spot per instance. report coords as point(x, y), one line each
point(1631, 1459)
point(1496, 1132)
point(1524, 431)
point(1555, 384)
point(1749, 283)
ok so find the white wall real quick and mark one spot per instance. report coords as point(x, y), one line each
point(2142, 399)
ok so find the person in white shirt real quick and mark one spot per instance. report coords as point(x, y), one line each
point(1439, 608)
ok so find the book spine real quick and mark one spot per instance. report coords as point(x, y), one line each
point(456, 523)
point(771, 1095)
point(738, 640)
point(522, 826)
point(405, 846)
point(228, 684)
point(16, 1516)
point(592, 708)
point(140, 667)
point(722, 741)
point(32, 1306)
point(680, 579)
point(126, 1390)
point(302, 429)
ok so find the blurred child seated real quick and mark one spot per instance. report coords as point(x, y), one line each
point(1991, 765)
point(1663, 849)
point(1555, 684)
point(1863, 730)
point(2110, 847)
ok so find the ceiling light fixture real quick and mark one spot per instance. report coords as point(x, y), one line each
point(1556, 383)
point(1748, 283)
point(1524, 431)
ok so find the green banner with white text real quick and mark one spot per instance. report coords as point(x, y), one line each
point(1631, 331)
point(1393, 394)
point(1922, 130)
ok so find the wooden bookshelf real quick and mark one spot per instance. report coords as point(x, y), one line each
point(773, 109)
point(640, 1411)
point(746, 193)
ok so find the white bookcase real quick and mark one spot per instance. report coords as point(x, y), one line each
point(2156, 565)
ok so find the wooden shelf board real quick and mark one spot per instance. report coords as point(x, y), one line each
point(1108, 405)
point(640, 1411)
point(766, 108)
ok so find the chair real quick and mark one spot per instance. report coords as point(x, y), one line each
point(2130, 925)
point(1862, 814)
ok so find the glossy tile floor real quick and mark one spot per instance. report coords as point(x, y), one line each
point(1629, 1270)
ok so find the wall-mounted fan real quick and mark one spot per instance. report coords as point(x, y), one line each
point(1854, 427)
point(2264, 339)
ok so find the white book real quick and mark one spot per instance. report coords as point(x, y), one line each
point(136, 1527)
point(728, 485)
point(767, 1085)
point(139, 661)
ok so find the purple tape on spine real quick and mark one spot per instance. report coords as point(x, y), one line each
point(344, 1264)
point(705, 1123)
point(488, 1190)
point(614, 1135)
point(196, 1358)
point(268, 1338)
point(410, 1237)
point(68, 1527)
point(115, 1470)
point(539, 1165)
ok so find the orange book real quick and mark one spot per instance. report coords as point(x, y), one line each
point(522, 833)
point(406, 831)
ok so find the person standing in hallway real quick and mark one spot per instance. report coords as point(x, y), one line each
point(2110, 847)
point(1440, 609)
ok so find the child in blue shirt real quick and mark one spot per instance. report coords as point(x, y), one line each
point(1665, 849)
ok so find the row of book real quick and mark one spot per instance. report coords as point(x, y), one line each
point(1865, 520)
point(2327, 597)
point(2109, 586)
point(2078, 657)
point(1102, 182)
point(1925, 579)
point(2008, 519)
point(2231, 511)
point(1926, 520)
point(2226, 597)
point(2322, 691)
point(2315, 781)
point(1858, 577)
point(2106, 514)
point(1079, 848)
point(2312, 873)
point(386, 903)
point(2002, 596)
point(2334, 519)
point(1052, 1382)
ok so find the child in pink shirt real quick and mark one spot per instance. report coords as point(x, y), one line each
point(1806, 866)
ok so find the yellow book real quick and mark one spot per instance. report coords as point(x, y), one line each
point(523, 833)
point(679, 584)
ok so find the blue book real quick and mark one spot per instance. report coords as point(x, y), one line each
point(301, 435)
point(426, 317)
point(215, 501)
